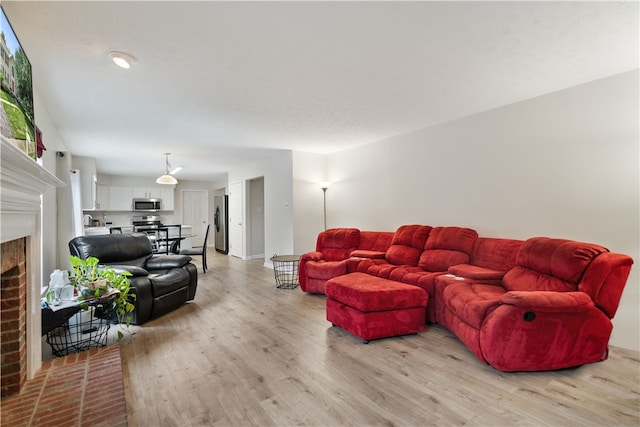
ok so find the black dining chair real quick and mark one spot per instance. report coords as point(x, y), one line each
point(159, 240)
point(115, 230)
point(175, 237)
point(199, 251)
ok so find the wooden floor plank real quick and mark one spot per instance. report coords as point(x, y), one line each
point(247, 353)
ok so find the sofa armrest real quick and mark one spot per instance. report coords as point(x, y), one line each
point(363, 253)
point(312, 256)
point(135, 271)
point(470, 271)
point(164, 262)
point(549, 301)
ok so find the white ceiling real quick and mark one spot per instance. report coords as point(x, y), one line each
point(220, 84)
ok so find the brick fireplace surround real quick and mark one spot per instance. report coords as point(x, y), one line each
point(22, 184)
point(83, 389)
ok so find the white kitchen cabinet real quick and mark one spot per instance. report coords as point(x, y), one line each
point(164, 193)
point(140, 193)
point(102, 197)
point(147, 192)
point(155, 192)
point(120, 198)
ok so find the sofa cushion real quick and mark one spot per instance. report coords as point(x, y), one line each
point(368, 293)
point(164, 262)
point(113, 248)
point(546, 264)
point(407, 244)
point(325, 269)
point(337, 243)
point(471, 303)
point(495, 254)
point(447, 246)
point(452, 238)
point(378, 241)
point(168, 281)
point(441, 259)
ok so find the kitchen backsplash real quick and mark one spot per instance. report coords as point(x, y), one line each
point(124, 218)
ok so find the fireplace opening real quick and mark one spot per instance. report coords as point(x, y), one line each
point(13, 317)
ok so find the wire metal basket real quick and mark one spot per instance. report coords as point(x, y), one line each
point(285, 268)
point(84, 330)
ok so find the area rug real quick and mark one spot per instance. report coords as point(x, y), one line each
point(82, 389)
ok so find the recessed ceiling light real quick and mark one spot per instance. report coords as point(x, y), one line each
point(122, 60)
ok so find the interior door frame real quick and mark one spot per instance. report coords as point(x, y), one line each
point(207, 218)
point(236, 230)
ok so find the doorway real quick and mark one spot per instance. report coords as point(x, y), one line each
point(195, 212)
point(255, 218)
point(247, 219)
point(236, 198)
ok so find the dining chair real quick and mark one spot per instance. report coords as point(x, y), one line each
point(115, 230)
point(199, 251)
point(174, 237)
point(159, 240)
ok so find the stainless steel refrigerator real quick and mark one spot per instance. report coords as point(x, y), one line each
point(221, 223)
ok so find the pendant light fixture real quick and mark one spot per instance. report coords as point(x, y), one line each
point(166, 178)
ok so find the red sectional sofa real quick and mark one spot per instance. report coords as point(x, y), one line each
point(532, 305)
point(333, 249)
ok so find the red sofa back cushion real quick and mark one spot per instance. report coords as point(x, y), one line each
point(447, 246)
point(545, 264)
point(407, 244)
point(495, 254)
point(337, 243)
point(375, 240)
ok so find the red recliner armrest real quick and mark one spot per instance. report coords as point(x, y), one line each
point(549, 301)
point(312, 256)
point(363, 253)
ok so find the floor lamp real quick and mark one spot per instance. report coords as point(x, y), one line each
point(324, 185)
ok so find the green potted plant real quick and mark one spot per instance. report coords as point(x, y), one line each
point(91, 279)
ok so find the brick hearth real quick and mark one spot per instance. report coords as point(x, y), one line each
point(82, 389)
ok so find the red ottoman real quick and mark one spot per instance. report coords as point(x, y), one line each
point(371, 307)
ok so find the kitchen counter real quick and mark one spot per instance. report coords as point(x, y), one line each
point(94, 231)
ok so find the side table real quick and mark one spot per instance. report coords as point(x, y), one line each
point(74, 328)
point(285, 268)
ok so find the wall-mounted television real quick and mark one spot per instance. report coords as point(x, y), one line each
point(18, 125)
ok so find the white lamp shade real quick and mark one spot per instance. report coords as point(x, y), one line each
point(167, 180)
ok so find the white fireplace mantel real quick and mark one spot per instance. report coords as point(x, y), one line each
point(22, 183)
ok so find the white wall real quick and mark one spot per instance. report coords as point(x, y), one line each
point(561, 165)
point(278, 201)
point(308, 171)
point(53, 236)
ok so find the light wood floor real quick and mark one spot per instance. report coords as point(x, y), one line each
point(246, 353)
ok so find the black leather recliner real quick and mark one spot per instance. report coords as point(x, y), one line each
point(161, 283)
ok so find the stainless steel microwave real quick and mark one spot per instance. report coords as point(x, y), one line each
point(147, 205)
